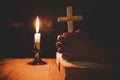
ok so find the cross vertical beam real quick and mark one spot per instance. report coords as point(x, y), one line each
point(70, 18)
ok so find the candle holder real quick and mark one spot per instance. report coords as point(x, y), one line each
point(37, 59)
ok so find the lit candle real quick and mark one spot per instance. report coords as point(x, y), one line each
point(37, 35)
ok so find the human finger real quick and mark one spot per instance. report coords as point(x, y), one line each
point(62, 38)
point(67, 34)
point(66, 49)
point(58, 44)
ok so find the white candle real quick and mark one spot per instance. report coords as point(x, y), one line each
point(37, 35)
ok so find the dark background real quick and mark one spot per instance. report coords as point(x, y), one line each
point(17, 24)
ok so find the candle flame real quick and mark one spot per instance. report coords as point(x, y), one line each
point(37, 25)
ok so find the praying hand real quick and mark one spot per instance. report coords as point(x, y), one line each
point(79, 45)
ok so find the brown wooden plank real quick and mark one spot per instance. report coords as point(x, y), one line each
point(19, 72)
point(54, 72)
point(30, 72)
point(18, 69)
point(6, 67)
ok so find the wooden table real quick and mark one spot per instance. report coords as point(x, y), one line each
point(18, 69)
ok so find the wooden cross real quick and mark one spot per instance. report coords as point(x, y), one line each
point(70, 18)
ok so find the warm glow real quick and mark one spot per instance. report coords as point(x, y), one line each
point(37, 25)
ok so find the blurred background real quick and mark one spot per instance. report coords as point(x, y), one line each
point(17, 25)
